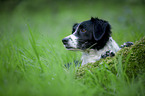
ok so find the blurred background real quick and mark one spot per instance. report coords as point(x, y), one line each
point(56, 17)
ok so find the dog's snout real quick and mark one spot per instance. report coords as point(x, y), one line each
point(65, 41)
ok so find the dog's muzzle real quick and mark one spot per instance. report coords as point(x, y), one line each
point(65, 43)
point(70, 42)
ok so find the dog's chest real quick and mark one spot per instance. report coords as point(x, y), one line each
point(94, 55)
point(90, 57)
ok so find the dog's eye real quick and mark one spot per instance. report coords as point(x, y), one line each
point(83, 30)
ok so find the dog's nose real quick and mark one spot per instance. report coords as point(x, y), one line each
point(65, 41)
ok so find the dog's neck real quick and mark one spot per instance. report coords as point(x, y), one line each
point(93, 55)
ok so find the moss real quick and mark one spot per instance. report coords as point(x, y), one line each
point(132, 60)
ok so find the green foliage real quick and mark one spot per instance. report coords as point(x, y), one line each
point(32, 56)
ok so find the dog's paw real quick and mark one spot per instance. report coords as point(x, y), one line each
point(108, 53)
point(127, 44)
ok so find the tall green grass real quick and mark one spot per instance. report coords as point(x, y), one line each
point(32, 56)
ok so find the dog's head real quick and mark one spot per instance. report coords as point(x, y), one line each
point(91, 34)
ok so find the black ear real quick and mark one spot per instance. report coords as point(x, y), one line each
point(74, 27)
point(100, 27)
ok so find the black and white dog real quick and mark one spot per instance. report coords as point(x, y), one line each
point(93, 38)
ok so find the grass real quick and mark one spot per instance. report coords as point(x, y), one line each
point(32, 56)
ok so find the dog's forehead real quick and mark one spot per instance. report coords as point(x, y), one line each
point(85, 23)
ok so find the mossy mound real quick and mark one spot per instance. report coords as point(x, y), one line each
point(130, 59)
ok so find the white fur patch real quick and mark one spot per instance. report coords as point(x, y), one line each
point(94, 55)
point(72, 41)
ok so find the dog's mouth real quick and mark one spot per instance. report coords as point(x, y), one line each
point(67, 46)
point(70, 48)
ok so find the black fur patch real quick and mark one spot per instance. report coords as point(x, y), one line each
point(96, 36)
point(74, 27)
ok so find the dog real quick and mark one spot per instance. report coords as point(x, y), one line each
point(93, 38)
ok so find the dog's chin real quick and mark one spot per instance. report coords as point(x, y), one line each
point(71, 48)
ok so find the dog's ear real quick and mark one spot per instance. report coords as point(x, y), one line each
point(74, 27)
point(100, 27)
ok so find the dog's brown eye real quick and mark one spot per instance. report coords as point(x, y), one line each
point(83, 30)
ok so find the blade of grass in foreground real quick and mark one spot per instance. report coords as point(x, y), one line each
point(33, 43)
